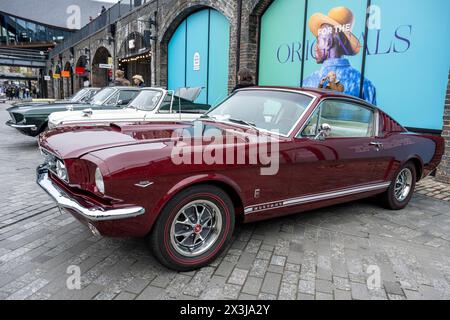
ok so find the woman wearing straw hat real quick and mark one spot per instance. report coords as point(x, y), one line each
point(335, 40)
point(138, 81)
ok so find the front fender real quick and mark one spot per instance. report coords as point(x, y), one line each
point(191, 181)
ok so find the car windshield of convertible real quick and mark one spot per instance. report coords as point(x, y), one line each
point(78, 95)
point(101, 96)
point(268, 110)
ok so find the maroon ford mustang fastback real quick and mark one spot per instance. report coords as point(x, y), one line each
point(262, 153)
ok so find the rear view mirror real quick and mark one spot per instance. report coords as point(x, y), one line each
point(324, 132)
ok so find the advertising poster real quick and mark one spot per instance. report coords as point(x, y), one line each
point(407, 56)
point(281, 43)
point(335, 39)
point(408, 59)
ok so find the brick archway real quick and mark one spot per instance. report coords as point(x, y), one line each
point(100, 76)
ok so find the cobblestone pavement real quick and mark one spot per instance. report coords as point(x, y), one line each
point(433, 188)
point(324, 254)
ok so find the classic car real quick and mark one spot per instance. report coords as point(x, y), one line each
point(151, 104)
point(126, 179)
point(82, 96)
point(31, 120)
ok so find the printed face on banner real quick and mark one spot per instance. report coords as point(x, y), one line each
point(335, 41)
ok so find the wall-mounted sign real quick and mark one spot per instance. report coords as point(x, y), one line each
point(197, 61)
point(65, 74)
point(80, 70)
point(56, 76)
point(131, 44)
point(105, 66)
point(110, 60)
point(47, 78)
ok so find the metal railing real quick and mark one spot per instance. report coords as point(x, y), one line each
point(108, 17)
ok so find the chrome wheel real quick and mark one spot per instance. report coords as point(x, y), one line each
point(403, 184)
point(195, 228)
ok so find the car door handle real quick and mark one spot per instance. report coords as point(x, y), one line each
point(376, 144)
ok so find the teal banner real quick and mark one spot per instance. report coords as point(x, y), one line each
point(407, 56)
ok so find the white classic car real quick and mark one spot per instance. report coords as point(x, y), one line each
point(151, 104)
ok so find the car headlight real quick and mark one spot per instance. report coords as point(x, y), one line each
point(99, 181)
point(61, 170)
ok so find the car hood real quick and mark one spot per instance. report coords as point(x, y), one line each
point(46, 108)
point(76, 141)
point(63, 117)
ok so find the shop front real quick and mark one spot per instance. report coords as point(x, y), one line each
point(135, 57)
point(390, 60)
point(198, 55)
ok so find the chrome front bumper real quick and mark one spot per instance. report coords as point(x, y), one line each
point(21, 126)
point(92, 214)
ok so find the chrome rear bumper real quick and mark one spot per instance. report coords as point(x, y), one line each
point(92, 214)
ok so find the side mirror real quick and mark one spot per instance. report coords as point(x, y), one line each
point(123, 102)
point(324, 132)
point(87, 112)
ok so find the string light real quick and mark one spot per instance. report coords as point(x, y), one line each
point(140, 57)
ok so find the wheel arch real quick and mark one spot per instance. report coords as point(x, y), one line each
point(418, 164)
point(219, 181)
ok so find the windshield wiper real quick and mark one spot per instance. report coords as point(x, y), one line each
point(205, 116)
point(244, 122)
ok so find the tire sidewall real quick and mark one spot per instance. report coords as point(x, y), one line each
point(170, 256)
point(394, 203)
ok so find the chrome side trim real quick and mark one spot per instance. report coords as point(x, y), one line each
point(314, 198)
point(92, 214)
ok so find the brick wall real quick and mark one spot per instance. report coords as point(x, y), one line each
point(443, 173)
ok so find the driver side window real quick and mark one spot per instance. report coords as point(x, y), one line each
point(112, 101)
point(347, 120)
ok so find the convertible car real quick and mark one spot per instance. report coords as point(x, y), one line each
point(152, 104)
point(325, 148)
point(32, 120)
point(82, 96)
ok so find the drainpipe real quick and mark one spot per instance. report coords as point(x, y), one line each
point(238, 40)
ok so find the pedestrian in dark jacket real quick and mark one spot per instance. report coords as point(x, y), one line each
point(245, 79)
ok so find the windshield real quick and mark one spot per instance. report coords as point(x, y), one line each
point(102, 95)
point(78, 95)
point(275, 111)
point(146, 100)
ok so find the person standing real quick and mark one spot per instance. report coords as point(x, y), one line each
point(138, 81)
point(245, 79)
point(330, 82)
point(120, 79)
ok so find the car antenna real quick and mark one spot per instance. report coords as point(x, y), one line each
point(179, 104)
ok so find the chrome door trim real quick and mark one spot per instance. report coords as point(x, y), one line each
point(314, 197)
